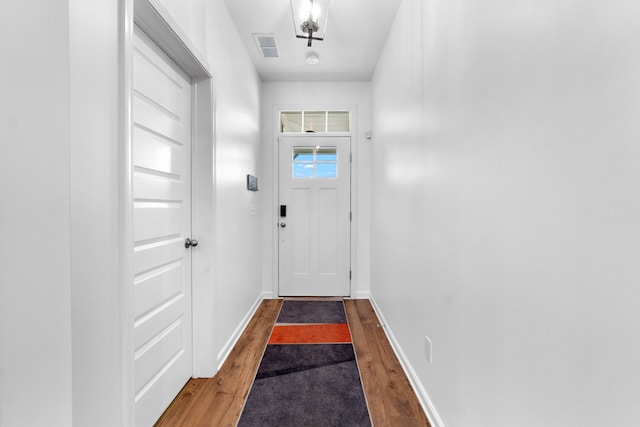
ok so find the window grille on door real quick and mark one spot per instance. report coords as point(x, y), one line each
point(315, 162)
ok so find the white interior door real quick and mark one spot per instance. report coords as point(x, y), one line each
point(315, 220)
point(161, 224)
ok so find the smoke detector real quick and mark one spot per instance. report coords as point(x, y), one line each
point(313, 58)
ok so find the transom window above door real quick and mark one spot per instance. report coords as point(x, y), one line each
point(314, 162)
point(314, 121)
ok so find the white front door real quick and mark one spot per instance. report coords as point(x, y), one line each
point(161, 224)
point(314, 216)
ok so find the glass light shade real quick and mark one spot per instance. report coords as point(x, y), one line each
point(310, 14)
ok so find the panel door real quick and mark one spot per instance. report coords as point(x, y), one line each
point(161, 223)
point(314, 216)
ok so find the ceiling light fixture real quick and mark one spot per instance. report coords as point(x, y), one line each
point(310, 19)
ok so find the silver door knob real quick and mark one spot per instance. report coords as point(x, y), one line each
point(283, 224)
point(189, 243)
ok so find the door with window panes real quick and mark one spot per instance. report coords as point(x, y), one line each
point(314, 224)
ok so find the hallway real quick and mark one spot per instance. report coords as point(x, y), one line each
point(493, 213)
point(219, 401)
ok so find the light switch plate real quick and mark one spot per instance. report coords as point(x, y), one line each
point(427, 349)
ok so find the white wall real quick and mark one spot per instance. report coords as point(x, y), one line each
point(322, 95)
point(505, 206)
point(238, 153)
point(35, 316)
point(61, 151)
point(96, 231)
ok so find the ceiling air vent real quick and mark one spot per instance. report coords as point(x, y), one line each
point(267, 45)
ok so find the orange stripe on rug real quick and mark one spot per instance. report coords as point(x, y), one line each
point(311, 334)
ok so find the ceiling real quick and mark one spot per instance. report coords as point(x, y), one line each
point(356, 33)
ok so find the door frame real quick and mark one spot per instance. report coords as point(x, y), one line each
point(158, 24)
point(274, 219)
point(342, 145)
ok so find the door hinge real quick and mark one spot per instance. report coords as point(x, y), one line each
point(350, 157)
point(350, 216)
point(349, 274)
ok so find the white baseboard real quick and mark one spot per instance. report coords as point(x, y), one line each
point(226, 349)
point(267, 295)
point(423, 397)
point(363, 295)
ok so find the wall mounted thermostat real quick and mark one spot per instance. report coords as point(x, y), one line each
point(252, 183)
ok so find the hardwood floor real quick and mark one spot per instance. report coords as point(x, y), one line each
point(218, 401)
point(391, 399)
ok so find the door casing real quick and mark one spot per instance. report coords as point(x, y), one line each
point(158, 24)
point(272, 216)
point(315, 282)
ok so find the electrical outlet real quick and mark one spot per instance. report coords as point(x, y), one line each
point(427, 349)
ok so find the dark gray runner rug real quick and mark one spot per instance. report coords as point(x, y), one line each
point(307, 384)
point(312, 312)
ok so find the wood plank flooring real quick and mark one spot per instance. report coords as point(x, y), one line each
point(391, 399)
point(218, 401)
